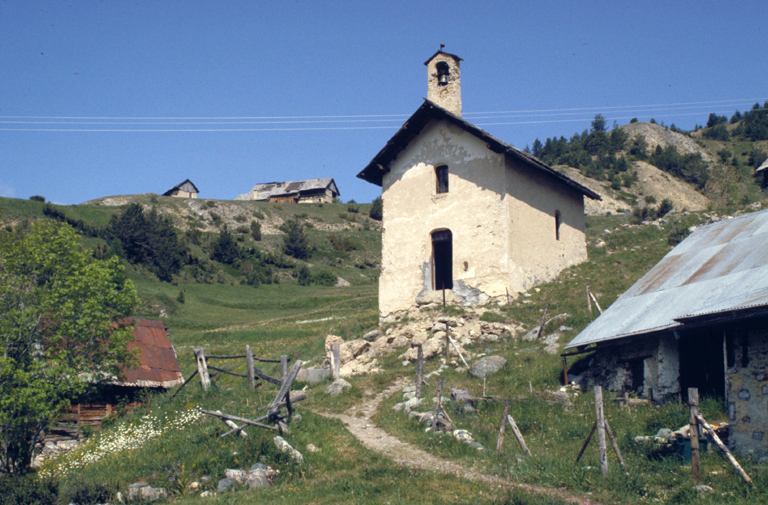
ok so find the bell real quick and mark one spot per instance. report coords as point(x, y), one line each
point(442, 79)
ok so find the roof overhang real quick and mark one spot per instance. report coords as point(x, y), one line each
point(429, 111)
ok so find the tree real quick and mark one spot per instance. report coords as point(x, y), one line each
point(599, 124)
point(225, 248)
point(59, 331)
point(377, 209)
point(256, 230)
point(296, 242)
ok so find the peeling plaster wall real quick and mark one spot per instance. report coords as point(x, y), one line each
point(501, 216)
point(535, 253)
point(747, 391)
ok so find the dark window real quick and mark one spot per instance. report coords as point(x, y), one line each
point(442, 178)
point(443, 73)
point(442, 257)
point(557, 225)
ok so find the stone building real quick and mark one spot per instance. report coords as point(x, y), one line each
point(310, 191)
point(183, 190)
point(699, 318)
point(465, 212)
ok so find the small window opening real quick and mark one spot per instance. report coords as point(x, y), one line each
point(443, 73)
point(442, 257)
point(442, 178)
point(557, 225)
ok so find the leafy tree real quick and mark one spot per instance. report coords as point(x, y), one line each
point(296, 242)
point(59, 331)
point(714, 119)
point(717, 132)
point(377, 208)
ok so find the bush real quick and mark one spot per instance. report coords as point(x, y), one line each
point(210, 204)
point(27, 490)
point(677, 235)
point(664, 208)
point(344, 244)
point(303, 275)
point(717, 132)
point(377, 209)
point(324, 278)
point(296, 242)
point(258, 215)
point(225, 248)
point(256, 230)
point(86, 492)
point(37, 198)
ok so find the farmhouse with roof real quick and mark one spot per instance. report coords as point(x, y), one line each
point(311, 191)
point(466, 214)
point(699, 319)
point(183, 190)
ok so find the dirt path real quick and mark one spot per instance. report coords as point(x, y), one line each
point(358, 421)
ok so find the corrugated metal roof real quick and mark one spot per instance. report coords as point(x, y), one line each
point(719, 268)
point(158, 365)
point(763, 166)
point(266, 190)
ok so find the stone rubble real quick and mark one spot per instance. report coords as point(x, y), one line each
point(259, 475)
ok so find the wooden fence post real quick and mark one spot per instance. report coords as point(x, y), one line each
point(447, 348)
point(693, 401)
point(518, 435)
point(541, 326)
point(589, 302)
point(601, 429)
point(336, 360)
point(503, 427)
point(437, 404)
point(565, 371)
point(202, 368)
point(249, 363)
point(283, 367)
point(419, 369)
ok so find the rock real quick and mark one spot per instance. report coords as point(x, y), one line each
point(487, 366)
point(703, 490)
point(409, 395)
point(552, 343)
point(439, 327)
point(313, 448)
point(563, 399)
point(359, 366)
point(207, 494)
point(338, 387)
point(531, 335)
point(664, 434)
point(285, 447)
point(258, 466)
point(462, 435)
point(225, 485)
point(355, 347)
point(313, 375)
point(430, 349)
point(400, 341)
point(409, 388)
point(371, 335)
point(341, 283)
point(411, 404)
point(461, 396)
point(153, 493)
point(419, 339)
point(476, 445)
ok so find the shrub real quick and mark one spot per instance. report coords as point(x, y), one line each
point(324, 278)
point(303, 275)
point(210, 204)
point(240, 218)
point(86, 492)
point(225, 248)
point(27, 490)
point(352, 207)
point(677, 235)
point(180, 297)
point(256, 230)
point(37, 198)
point(344, 244)
point(258, 215)
point(377, 209)
point(664, 208)
point(296, 242)
point(242, 230)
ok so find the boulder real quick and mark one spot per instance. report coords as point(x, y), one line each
point(285, 447)
point(487, 366)
point(313, 375)
point(144, 492)
point(371, 335)
point(225, 485)
point(430, 349)
point(338, 387)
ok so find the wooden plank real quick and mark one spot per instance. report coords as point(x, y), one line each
point(502, 429)
point(286, 386)
point(437, 403)
point(601, 430)
point(185, 383)
point(295, 398)
point(230, 372)
point(458, 352)
point(543, 322)
point(586, 442)
point(518, 435)
point(719, 443)
point(202, 368)
point(261, 375)
point(419, 369)
point(693, 402)
point(589, 302)
point(249, 365)
point(336, 360)
point(232, 425)
point(614, 444)
point(596, 304)
point(238, 419)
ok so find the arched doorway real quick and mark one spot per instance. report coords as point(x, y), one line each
point(442, 259)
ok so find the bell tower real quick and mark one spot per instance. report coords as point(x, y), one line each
point(444, 81)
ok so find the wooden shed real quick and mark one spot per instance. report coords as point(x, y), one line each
point(158, 370)
point(183, 190)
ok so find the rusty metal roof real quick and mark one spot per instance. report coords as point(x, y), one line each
point(720, 270)
point(158, 366)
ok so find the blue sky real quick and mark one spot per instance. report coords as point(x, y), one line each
point(117, 97)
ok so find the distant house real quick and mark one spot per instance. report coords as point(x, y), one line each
point(699, 318)
point(762, 170)
point(466, 214)
point(311, 191)
point(157, 369)
point(183, 190)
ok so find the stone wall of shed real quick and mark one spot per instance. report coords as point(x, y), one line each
point(747, 390)
point(610, 367)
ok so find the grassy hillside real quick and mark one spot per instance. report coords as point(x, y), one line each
point(287, 318)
